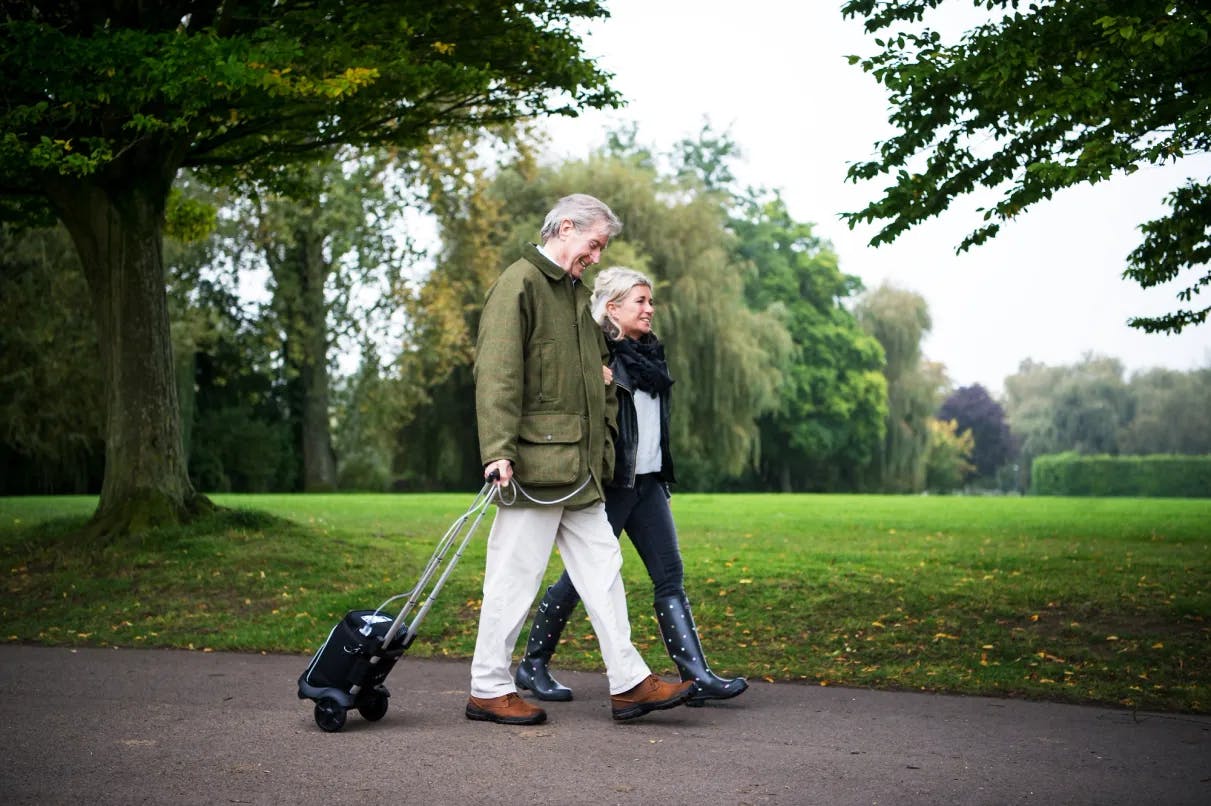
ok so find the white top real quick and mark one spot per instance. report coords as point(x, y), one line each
point(647, 415)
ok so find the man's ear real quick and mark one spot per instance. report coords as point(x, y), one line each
point(566, 227)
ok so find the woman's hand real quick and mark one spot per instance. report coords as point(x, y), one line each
point(607, 374)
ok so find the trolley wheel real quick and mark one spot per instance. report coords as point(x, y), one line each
point(329, 715)
point(373, 705)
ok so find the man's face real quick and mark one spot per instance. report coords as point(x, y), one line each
point(581, 248)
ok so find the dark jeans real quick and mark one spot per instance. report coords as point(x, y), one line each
point(643, 513)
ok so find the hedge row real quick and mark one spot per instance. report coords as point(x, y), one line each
point(1156, 476)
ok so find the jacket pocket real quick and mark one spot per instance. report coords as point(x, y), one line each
point(549, 381)
point(548, 449)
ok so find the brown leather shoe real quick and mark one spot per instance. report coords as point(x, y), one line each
point(508, 709)
point(653, 694)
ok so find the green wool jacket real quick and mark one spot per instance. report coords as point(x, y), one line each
point(539, 396)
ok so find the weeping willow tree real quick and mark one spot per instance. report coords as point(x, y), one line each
point(723, 356)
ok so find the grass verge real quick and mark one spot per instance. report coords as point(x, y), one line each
point(1075, 600)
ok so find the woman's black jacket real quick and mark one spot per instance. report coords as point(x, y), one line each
point(626, 445)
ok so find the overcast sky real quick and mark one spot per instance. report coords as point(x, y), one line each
point(774, 73)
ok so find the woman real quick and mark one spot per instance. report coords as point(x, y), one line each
point(636, 498)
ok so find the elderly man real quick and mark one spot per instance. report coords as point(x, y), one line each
point(545, 421)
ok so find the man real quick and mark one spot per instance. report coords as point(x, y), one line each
point(545, 418)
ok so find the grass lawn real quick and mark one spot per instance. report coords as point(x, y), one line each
point(1076, 600)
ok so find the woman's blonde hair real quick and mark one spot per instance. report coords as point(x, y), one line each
point(611, 285)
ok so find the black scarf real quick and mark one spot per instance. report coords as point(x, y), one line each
point(644, 363)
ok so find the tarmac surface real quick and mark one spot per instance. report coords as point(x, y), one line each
point(129, 726)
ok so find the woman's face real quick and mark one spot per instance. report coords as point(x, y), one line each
point(633, 313)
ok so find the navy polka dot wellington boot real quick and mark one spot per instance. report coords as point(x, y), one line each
point(532, 672)
point(684, 647)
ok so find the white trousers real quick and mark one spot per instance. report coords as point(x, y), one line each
point(519, 548)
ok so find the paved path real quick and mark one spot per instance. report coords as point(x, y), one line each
point(124, 726)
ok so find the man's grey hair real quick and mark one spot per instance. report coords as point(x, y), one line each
point(584, 211)
point(612, 285)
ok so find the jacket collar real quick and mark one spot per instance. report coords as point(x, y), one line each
point(544, 264)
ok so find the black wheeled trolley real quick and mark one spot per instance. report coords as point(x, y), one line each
point(349, 669)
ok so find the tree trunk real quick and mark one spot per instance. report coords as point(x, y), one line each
point(300, 274)
point(319, 462)
point(117, 228)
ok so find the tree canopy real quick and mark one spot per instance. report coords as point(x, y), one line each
point(251, 85)
point(1169, 413)
point(830, 420)
point(974, 410)
point(1040, 98)
point(1070, 408)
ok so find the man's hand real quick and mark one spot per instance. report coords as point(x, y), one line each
point(607, 374)
point(504, 469)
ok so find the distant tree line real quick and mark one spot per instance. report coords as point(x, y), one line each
point(1088, 408)
point(790, 376)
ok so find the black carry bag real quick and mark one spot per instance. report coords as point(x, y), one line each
point(361, 650)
